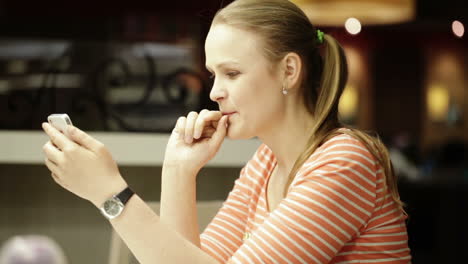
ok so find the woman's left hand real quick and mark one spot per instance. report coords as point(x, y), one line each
point(82, 165)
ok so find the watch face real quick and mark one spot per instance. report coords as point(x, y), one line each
point(113, 207)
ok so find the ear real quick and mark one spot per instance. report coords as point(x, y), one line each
point(291, 67)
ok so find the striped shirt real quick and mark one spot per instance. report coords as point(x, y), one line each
point(336, 211)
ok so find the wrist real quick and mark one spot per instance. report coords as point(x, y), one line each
point(177, 171)
point(109, 191)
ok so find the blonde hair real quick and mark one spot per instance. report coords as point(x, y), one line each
point(285, 28)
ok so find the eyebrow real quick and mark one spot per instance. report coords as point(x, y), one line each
point(222, 64)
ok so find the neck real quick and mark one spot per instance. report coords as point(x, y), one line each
point(287, 138)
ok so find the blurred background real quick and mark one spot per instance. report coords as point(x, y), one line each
point(125, 70)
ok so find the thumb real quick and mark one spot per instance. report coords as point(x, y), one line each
point(220, 133)
point(83, 139)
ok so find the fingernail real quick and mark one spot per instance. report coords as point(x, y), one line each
point(226, 122)
point(197, 135)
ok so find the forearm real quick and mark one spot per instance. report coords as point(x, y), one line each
point(152, 240)
point(178, 202)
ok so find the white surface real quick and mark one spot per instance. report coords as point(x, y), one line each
point(137, 149)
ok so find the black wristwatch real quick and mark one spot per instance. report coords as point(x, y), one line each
point(115, 205)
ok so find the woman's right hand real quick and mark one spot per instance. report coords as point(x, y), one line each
point(195, 140)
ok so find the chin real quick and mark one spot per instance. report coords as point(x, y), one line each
point(234, 133)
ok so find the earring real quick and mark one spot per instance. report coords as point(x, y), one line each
point(285, 92)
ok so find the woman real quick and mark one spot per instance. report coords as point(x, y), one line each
point(314, 192)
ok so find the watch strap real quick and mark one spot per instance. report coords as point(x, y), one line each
point(125, 195)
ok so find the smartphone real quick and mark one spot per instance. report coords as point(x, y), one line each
point(59, 121)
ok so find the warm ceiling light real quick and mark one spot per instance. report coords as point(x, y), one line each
point(353, 26)
point(438, 100)
point(458, 28)
point(369, 12)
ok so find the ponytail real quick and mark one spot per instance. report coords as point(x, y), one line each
point(332, 83)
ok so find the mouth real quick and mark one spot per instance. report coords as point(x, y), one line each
point(228, 113)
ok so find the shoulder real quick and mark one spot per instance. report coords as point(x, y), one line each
point(340, 152)
point(259, 164)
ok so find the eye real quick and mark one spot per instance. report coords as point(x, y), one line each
point(232, 74)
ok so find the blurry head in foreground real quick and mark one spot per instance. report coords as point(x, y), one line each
point(31, 249)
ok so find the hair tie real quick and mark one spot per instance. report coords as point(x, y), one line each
point(320, 35)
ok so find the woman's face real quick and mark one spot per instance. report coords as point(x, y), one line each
point(244, 85)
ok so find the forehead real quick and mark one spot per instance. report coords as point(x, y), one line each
point(227, 43)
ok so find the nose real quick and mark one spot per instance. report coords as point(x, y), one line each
point(217, 93)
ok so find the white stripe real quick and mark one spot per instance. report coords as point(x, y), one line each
point(377, 243)
point(385, 223)
point(372, 162)
point(381, 215)
point(333, 249)
point(342, 196)
point(236, 261)
point(266, 154)
point(360, 175)
point(218, 245)
point(225, 238)
point(359, 197)
point(351, 145)
point(374, 252)
point(236, 236)
point(261, 163)
point(329, 162)
point(278, 241)
point(253, 253)
point(373, 260)
point(235, 209)
point(326, 147)
point(387, 205)
point(244, 256)
point(241, 204)
point(252, 191)
point(329, 210)
point(349, 179)
point(386, 227)
point(310, 221)
point(239, 196)
point(383, 235)
point(254, 181)
point(231, 225)
point(381, 198)
point(206, 246)
point(263, 251)
point(296, 244)
point(237, 220)
point(272, 248)
point(257, 173)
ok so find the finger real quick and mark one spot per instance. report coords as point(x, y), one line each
point(180, 127)
point(51, 166)
point(83, 139)
point(189, 125)
point(58, 180)
point(204, 119)
point(199, 124)
point(220, 133)
point(208, 132)
point(57, 137)
point(51, 152)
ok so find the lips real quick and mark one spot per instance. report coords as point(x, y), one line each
point(227, 113)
